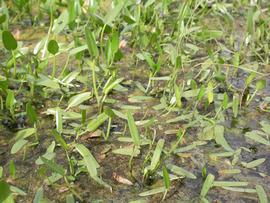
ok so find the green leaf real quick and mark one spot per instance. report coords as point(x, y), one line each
point(110, 86)
point(239, 189)
point(78, 99)
point(229, 184)
point(91, 43)
point(31, 113)
point(70, 198)
point(262, 194)
point(10, 101)
point(219, 138)
point(53, 47)
point(257, 138)
point(12, 168)
point(166, 177)
point(250, 79)
point(91, 164)
point(5, 194)
point(153, 191)
point(1, 172)
point(127, 151)
point(25, 133)
point(260, 84)
point(38, 196)
point(225, 101)
point(181, 172)
point(95, 123)
point(208, 183)
point(47, 82)
point(89, 159)
point(112, 14)
point(53, 166)
point(254, 163)
point(210, 93)
point(201, 93)
point(3, 18)
point(18, 145)
point(156, 155)
point(133, 129)
point(17, 191)
point(59, 139)
point(9, 41)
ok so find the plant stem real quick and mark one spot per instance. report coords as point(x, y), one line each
point(14, 63)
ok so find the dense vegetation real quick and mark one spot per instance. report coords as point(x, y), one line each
point(134, 101)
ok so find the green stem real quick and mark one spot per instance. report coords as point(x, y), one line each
point(14, 63)
point(54, 67)
point(108, 129)
point(92, 64)
point(251, 98)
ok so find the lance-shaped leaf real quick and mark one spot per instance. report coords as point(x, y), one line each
point(91, 43)
point(95, 123)
point(208, 183)
point(78, 99)
point(133, 129)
